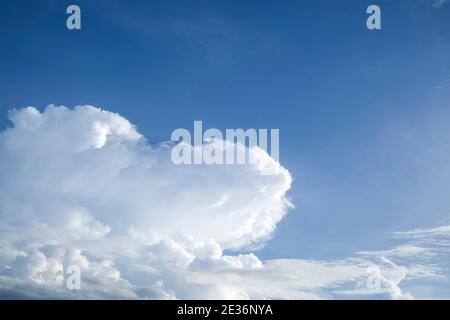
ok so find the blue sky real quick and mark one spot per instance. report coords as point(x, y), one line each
point(361, 113)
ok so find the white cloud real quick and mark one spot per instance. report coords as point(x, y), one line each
point(434, 3)
point(422, 233)
point(89, 171)
point(86, 180)
point(83, 187)
point(432, 241)
point(425, 254)
point(439, 3)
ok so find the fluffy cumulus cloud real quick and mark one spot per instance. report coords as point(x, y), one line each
point(83, 187)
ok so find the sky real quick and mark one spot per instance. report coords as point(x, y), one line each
point(363, 119)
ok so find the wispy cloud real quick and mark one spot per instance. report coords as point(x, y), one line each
point(435, 3)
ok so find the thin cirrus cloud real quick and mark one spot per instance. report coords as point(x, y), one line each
point(83, 187)
point(439, 3)
point(434, 3)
